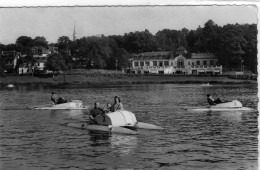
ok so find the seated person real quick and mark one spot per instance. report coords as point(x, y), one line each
point(53, 97)
point(108, 108)
point(56, 100)
point(117, 105)
point(96, 111)
point(212, 101)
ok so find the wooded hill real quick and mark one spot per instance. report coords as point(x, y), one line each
point(231, 43)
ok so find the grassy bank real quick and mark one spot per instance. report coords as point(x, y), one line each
point(116, 79)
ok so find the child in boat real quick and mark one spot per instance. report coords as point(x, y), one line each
point(56, 100)
point(108, 108)
point(117, 104)
point(212, 101)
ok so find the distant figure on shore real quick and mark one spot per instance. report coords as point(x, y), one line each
point(212, 101)
point(117, 104)
point(56, 100)
point(96, 111)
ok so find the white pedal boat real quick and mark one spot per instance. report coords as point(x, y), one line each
point(234, 105)
point(205, 84)
point(71, 105)
point(115, 122)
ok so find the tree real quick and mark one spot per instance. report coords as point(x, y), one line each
point(139, 42)
point(119, 56)
point(56, 63)
point(24, 44)
point(210, 36)
point(231, 43)
point(40, 41)
point(24, 41)
point(64, 42)
point(2, 66)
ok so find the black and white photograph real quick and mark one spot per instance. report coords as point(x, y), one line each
point(129, 86)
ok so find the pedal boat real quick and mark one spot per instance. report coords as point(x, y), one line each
point(115, 122)
point(71, 105)
point(234, 105)
point(205, 84)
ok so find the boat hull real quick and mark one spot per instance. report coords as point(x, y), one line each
point(141, 125)
point(72, 105)
point(234, 105)
point(223, 109)
point(117, 118)
point(102, 128)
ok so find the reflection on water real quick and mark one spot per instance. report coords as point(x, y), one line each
point(234, 116)
point(123, 144)
point(34, 139)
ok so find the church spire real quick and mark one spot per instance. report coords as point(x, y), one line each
point(74, 33)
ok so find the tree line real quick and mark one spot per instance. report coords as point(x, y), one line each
point(233, 44)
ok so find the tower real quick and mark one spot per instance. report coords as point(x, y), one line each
point(74, 33)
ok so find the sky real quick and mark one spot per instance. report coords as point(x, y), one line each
point(53, 22)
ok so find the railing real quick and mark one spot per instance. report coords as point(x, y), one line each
point(152, 67)
point(205, 66)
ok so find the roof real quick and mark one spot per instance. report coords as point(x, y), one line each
point(154, 55)
point(203, 56)
point(181, 48)
point(43, 49)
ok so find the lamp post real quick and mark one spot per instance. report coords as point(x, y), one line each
point(116, 66)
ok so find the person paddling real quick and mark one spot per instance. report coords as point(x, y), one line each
point(56, 100)
point(212, 101)
point(96, 111)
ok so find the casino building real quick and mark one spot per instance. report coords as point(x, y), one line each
point(164, 62)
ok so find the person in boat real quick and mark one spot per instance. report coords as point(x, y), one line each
point(212, 101)
point(96, 111)
point(117, 104)
point(56, 100)
point(108, 108)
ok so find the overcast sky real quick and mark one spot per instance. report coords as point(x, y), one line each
point(54, 22)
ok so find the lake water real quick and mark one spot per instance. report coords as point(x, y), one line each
point(34, 139)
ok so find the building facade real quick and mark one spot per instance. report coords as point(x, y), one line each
point(166, 63)
point(41, 54)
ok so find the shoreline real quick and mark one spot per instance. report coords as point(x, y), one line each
point(113, 80)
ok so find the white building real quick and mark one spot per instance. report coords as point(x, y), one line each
point(166, 63)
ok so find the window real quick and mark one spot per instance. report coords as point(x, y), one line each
point(154, 63)
point(141, 63)
point(147, 63)
point(136, 64)
point(160, 63)
point(211, 62)
point(166, 63)
point(188, 63)
point(198, 63)
point(171, 63)
point(204, 62)
point(192, 63)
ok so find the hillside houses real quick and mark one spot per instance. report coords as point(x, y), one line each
point(27, 63)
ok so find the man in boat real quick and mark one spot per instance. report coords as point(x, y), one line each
point(56, 100)
point(96, 111)
point(212, 101)
point(117, 104)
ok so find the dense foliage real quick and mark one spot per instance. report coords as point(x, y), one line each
point(232, 44)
